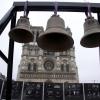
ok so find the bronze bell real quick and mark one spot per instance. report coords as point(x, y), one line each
point(91, 36)
point(55, 37)
point(22, 32)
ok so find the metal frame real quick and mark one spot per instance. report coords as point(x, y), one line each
point(36, 6)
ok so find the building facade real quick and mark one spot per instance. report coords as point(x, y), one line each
point(38, 65)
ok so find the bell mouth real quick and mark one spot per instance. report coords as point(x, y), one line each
point(91, 40)
point(55, 42)
point(21, 35)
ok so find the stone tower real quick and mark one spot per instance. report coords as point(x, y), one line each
point(38, 65)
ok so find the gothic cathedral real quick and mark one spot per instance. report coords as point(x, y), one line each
point(38, 65)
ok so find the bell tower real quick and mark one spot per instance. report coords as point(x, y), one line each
point(38, 65)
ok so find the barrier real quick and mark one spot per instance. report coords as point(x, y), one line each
point(51, 91)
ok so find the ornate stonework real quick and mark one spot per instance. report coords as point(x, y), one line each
point(38, 65)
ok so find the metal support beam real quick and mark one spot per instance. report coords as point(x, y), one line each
point(98, 16)
point(62, 6)
point(10, 61)
point(3, 57)
point(5, 20)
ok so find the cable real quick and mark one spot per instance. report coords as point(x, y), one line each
point(26, 8)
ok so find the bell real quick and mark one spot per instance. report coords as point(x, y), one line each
point(55, 38)
point(91, 36)
point(22, 32)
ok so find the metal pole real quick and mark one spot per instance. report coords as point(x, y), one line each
point(3, 57)
point(10, 61)
point(2, 89)
point(99, 53)
point(43, 92)
point(63, 6)
point(98, 15)
point(22, 91)
point(83, 91)
point(6, 18)
point(63, 92)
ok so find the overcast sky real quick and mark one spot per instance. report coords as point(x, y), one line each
point(87, 59)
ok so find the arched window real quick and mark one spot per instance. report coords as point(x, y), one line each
point(62, 67)
point(34, 67)
point(29, 66)
point(67, 67)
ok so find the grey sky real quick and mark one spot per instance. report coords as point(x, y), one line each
point(87, 59)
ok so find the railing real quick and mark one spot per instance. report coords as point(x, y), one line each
point(51, 91)
point(45, 75)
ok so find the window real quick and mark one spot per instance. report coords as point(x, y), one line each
point(67, 68)
point(62, 67)
point(29, 67)
point(34, 67)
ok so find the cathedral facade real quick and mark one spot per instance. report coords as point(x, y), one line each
point(38, 65)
